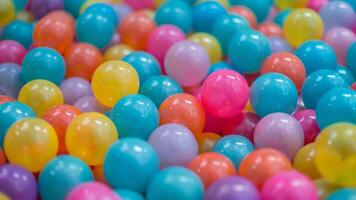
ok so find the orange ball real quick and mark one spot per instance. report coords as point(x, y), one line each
point(183, 109)
point(60, 117)
point(4, 99)
point(135, 28)
point(55, 30)
point(206, 141)
point(211, 167)
point(82, 59)
point(246, 13)
point(263, 163)
point(98, 172)
point(270, 29)
point(288, 64)
point(2, 157)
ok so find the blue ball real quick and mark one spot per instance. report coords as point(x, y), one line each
point(188, 1)
point(129, 195)
point(281, 16)
point(317, 84)
point(350, 59)
point(247, 50)
point(235, 147)
point(259, 7)
point(104, 10)
point(346, 74)
point(135, 116)
point(20, 4)
point(19, 31)
point(219, 66)
point(337, 105)
point(226, 26)
point(130, 163)
point(73, 7)
point(316, 55)
point(352, 3)
point(273, 92)
point(177, 13)
point(145, 64)
point(175, 183)
point(11, 112)
point(10, 79)
point(205, 14)
point(159, 88)
point(61, 175)
point(343, 194)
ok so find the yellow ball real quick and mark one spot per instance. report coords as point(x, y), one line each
point(325, 188)
point(4, 196)
point(210, 44)
point(224, 3)
point(25, 16)
point(40, 95)
point(89, 136)
point(7, 12)
point(31, 143)
point(302, 24)
point(248, 107)
point(117, 52)
point(114, 80)
point(335, 155)
point(88, 3)
point(304, 161)
point(157, 3)
point(285, 4)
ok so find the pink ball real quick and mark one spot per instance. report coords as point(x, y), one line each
point(91, 191)
point(11, 51)
point(162, 38)
point(139, 4)
point(289, 185)
point(225, 93)
point(271, 14)
point(187, 62)
point(340, 39)
point(317, 4)
point(307, 120)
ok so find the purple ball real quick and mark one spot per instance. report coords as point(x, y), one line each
point(232, 188)
point(336, 14)
point(10, 79)
point(122, 10)
point(174, 144)
point(74, 89)
point(17, 183)
point(40, 8)
point(90, 104)
point(278, 44)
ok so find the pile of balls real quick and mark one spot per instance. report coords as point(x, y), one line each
point(177, 99)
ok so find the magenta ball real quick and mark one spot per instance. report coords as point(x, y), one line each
point(225, 93)
point(279, 131)
point(91, 191)
point(139, 4)
point(11, 52)
point(317, 4)
point(187, 62)
point(307, 120)
point(90, 104)
point(289, 185)
point(338, 14)
point(75, 88)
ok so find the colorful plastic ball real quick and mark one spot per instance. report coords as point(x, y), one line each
point(173, 139)
point(89, 136)
point(187, 62)
point(7, 12)
point(301, 25)
point(2, 157)
point(19, 31)
point(344, 193)
point(317, 4)
point(92, 190)
point(103, 9)
point(88, 3)
point(17, 183)
point(82, 59)
point(210, 44)
point(346, 74)
point(219, 66)
point(113, 80)
point(281, 17)
point(60, 117)
point(261, 164)
point(205, 14)
point(121, 10)
point(307, 120)
point(90, 104)
point(353, 86)
point(286, 4)
point(129, 195)
point(61, 175)
point(260, 9)
point(40, 95)
point(75, 88)
point(10, 79)
point(117, 52)
point(98, 172)
point(244, 124)
point(40, 8)
point(338, 14)
point(73, 7)
point(206, 141)
point(141, 164)
point(175, 183)
point(350, 61)
point(270, 29)
point(325, 188)
point(11, 51)
point(31, 143)
point(247, 50)
point(245, 13)
point(138, 4)
point(337, 105)
point(279, 44)
point(304, 161)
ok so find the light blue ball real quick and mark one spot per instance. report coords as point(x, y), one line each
point(317, 84)
point(19, 31)
point(145, 64)
point(343, 194)
point(175, 183)
point(135, 116)
point(73, 7)
point(281, 17)
point(337, 105)
point(247, 51)
point(43, 63)
point(316, 55)
point(10, 79)
point(11, 112)
point(235, 147)
point(20, 4)
point(350, 59)
point(130, 163)
point(259, 7)
point(61, 175)
point(346, 74)
point(273, 92)
point(219, 66)
point(129, 195)
point(205, 14)
point(104, 10)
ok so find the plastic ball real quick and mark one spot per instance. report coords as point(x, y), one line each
point(304, 161)
point(90, 104)
point(129, 195)
point(206, 141)
point(205, 14)
point(2, 157)
point(209, 43)
point(7, 12)
point(61, 175)
point(307, 120)
point(40, 8)
point(19, 31)
point(344, 193)
point(173, 139)
point(325, 188)
point(60, 117)
point(219, 66)
point(73, 7)
point(261, 164)
point(270, 29)
point(141, 164)
point(25, 16)
point(337, 105)
point(17, 183)
point(338, 14)
point(260, 9)
point(279, 44)
point(31, 143)
point(135, 116)
point(175, 183)
point(40, 95)
point(243, 124)
point(245, 13)
point(117, 52)
point(346, 74)
point(10, 79)
point(247, 50)
point(350, 61)
point(89, 136)
point(103, 9)
point(302, 24)
point(75, 88)
point(92, 190)
point(98, 172)
point(113, 80)
point(281, 17)
point(88, 3)
point(11, 51)
point(285, 4)
point(138, 4)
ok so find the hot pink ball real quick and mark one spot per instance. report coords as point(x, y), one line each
point(340, 39)
point(353, 86)
point(139, 4)
point(11, 51)
point(307, 120)
point(317, 4)
point(289, 185)
point(91, 191)
point(225, 93)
